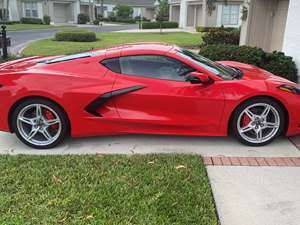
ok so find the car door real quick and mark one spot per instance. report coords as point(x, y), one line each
point(156, 98)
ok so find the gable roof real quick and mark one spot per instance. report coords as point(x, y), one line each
point(141, 3)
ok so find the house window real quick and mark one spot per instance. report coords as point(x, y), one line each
point(230, 14)
point(31, 9)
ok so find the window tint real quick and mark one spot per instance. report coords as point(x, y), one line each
point(112, 64)
point(154, 66)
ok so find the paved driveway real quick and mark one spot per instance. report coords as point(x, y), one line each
point(21, 38)
point(129, 144)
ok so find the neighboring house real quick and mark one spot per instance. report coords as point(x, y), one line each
point(144, 8)
point(273, 25)
point(66, 11)
point(194, 13)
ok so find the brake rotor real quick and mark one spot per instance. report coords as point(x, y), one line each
point(49, 116)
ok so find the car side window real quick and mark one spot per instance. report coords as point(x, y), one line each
point(112, 64)
point(154, 66)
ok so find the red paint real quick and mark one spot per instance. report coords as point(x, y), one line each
point(162, 107)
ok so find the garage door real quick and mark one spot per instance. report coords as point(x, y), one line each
point(61, 12)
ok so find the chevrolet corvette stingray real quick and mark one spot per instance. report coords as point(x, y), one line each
point(148, 88)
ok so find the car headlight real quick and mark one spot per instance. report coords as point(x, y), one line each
point(289, 88)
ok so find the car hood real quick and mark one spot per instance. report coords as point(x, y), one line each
point(251, 72)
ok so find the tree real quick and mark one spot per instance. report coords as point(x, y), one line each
point(162, 12)
point(211, 5)
point(123, 11)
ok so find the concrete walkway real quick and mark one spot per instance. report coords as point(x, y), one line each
point(256, 195)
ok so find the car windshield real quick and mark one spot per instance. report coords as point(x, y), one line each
point(223, 71)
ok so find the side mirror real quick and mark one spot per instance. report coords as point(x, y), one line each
point(198, 78)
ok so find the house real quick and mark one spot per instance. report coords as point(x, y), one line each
point(66, 11)
point(273, 25)
point(144, 8)
point(194, 13)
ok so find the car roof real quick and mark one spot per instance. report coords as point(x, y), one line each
point(141, 48)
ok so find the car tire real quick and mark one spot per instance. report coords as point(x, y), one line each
point(40, 123)
point(258, 121)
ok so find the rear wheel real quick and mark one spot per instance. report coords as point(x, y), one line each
point(40, 123)
point(258, 121)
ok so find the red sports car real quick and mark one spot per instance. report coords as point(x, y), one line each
point(147, 88)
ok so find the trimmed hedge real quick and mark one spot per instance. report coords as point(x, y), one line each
point(8, 22)
point(77, 36)
point(222, 36)
point(30, 20)
point(156, 25)
point(276, 62)
point(46, 19)
point(83, 18)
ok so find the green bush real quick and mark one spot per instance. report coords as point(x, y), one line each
point(96, 22)
point(125, 20)
point(83, 18)
point(156, 25)
point(276, 62)
point(30, 20)
point(78, 36)
point(221, 36)
point(8, 22)
point(212, 29)
point(46, 19)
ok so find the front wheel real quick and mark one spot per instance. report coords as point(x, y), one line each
point(258, 122)
point(40, 123)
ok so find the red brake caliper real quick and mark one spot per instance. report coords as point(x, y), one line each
point(246, 120)
point(49, 115)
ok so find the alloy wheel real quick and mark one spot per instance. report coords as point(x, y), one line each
point(39, 124)
point(258, 123)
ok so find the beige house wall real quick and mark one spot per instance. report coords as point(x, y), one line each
point(265, 24)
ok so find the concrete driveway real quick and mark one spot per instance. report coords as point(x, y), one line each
point(143, 144)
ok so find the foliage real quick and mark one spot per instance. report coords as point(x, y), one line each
point(212, 29)
point(123, 11)
point(30, 20)
point(8, 22)
point(276, 62)
point(157, 25)
point(83, 18)
point(96, 22)
point(77, 36)
point(222, 36)
point(47, 19)
point(163, 11)
point(211, 5)
point(105, 189)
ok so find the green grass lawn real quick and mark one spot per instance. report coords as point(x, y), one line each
point(21, 26)
point(110, 190)
point(50, 47)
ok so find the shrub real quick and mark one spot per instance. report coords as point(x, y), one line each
point(276, 62)
point(156, 25)
point(78, 36)
point(47, 19)
point(29, 20)
point(96, 22)
point(8, 22)
point(83, 18)
point(212, 29)
point(222, 37)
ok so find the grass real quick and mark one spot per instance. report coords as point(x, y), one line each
point(50, 47)
point(20, 26)
point(110, 190)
